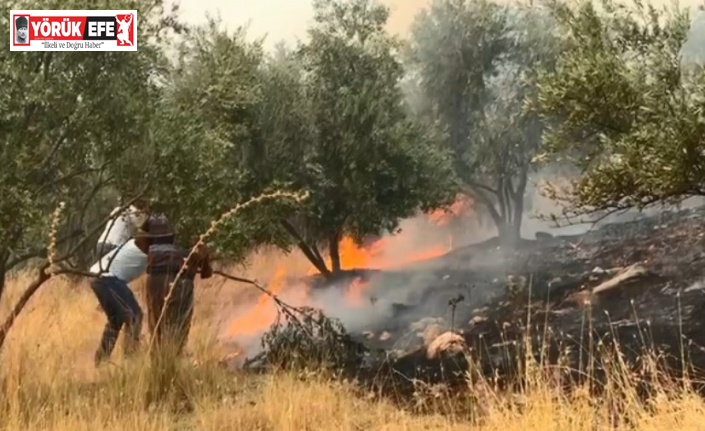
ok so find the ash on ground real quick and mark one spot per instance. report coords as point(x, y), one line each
point(639, 284)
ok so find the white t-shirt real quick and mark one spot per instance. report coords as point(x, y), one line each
point(123, 228)
point(126, 263)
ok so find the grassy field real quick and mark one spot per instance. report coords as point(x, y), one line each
point(49, 383)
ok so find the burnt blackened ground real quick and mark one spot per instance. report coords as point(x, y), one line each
point(544, 290)
point(638, 287)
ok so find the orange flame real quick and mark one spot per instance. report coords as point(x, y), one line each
point(442, 217)
point(264, 312)
point(385, 253)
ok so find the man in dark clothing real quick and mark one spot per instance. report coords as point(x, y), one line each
point(165, 259)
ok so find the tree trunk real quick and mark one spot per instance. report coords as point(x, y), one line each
point(312, 256)
point(317, 252)
point(507, 233)
point(482, 196)
point(334, 251)
point(517, 199)
point(499, 211)
point(505, 207)
point(518, 213)
point(3, 274)
point(510, 228)
point(42, 277)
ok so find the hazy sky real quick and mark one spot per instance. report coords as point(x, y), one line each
point(283, 19)
point(280, 19)
point(288, 19)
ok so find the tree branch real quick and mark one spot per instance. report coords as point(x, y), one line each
point(41, 252)
point(317, 252)
point(43, 276)
point(99, 226)
point(55, 147)
point(485, 201)
point(65, 178)
point(481, 186)
point(603, 214)
point(305, 249)
point(92, 195)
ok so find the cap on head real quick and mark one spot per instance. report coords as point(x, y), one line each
point(156, 226)
point(21, 22)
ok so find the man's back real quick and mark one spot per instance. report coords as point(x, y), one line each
point(121, 227)
point(165, 262)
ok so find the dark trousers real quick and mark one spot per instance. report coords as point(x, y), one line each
point(121, 308)
point(175, 326)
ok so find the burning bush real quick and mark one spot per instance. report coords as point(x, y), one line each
point(307, 338)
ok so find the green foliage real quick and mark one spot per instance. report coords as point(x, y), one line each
point(208, 154)
point(626, 111)
point(309, 339)
point(327, 118)
point(220, 125)
point(368, 164)
point(474, 66)
point(67, 119)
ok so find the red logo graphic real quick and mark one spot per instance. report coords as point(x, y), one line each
point(30, 29)
point(56, 28)
point(125, 30)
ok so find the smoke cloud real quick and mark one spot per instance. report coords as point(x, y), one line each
point(386, 292)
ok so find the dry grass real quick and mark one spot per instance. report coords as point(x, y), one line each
point(49, 383)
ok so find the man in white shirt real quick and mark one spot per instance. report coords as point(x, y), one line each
point(115, 271)
point(120, 228)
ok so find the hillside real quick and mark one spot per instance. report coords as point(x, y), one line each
point(637, 283)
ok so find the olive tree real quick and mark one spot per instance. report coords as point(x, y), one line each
point(625, 109)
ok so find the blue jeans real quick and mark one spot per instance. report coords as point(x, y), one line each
point(122, 309)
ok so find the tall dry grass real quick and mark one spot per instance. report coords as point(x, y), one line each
point(48, 382)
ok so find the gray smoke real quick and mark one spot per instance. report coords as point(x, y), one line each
point(693, 50)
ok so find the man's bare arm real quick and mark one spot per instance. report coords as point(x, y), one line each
point(206, 269)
